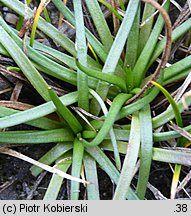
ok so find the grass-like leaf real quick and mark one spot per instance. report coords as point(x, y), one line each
point(83, 98)
point(130, 160)
point(107, 77)
point(36, 18)
point(175, 156)
point(111, 132)
point(122, 5)
point(123, 134)
point(172, 102)
point(25, 65)
point(44, 26)
point(96, 45)
point(41, 62)
point(109, 168)
point(111, 9)
point(176, 34)
point(52, 155)
point(131, 108)
point(36, 137)
point(81, 46)
point(43, 123)
point(65, 112)
point(176, 71)
point(77, 158)
point(92, 176)
point(132, 45)
point(180, 141)
point(100, 23)
point(144, 58)
point(111, 117)
point(46, 15)
point(55, 184)
point(116, 50)
point(36, 112)
point(168, 115)
point(146, 27)
point(145, 150)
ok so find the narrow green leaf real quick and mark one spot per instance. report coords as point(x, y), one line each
point(111, 132)
point(77, 158)
point(122, 5)
point(123, 134)
point(116, 50)
point(107, 77)
point(52, 155)
point(180, 141)
point(131, 108)
point(35, 22)
point(42, 123)
point(175, 108)
point(144, 58)
point(96, 45)
point(65, 112)
point(83, 95)
point(109, 168)
point(24, 64)
point(36, 137)
point(163, 136)
point(175, 156)
point(139, 104)
point(130, 160)
point(46, 16)
point(44, 26)
point(145, 150)
point(91, 176)
point(100, 23)
point(177, 69)
point(36, 112)
point(147, 26)
point(43, 63)
point(93, 41)
point(179, 76)
point(20, 23)
point(82, 79)
point(111, 9)
point(109, 121)
point(168, 115)
point(172, 156)
point(176, 34)
point(132, 43)
point(55, 184)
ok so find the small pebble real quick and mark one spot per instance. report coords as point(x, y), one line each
point(5, 9)
point(11, 18)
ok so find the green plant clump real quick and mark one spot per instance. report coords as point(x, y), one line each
point(115, 78)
